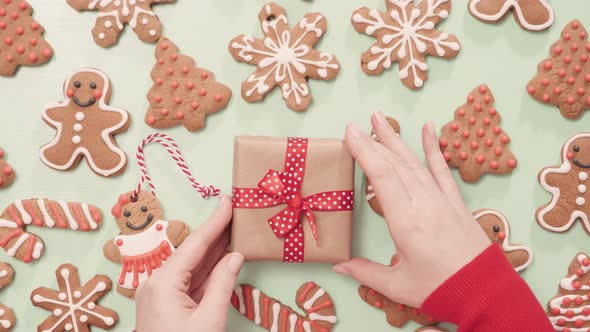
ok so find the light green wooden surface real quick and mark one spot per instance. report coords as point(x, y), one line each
point(502, 56)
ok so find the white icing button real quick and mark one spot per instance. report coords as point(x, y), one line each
point(108, 24)
point(79, 116)
point(583, 176)
point(145, 21)
point(77, 294)
point(582, 188)
point(101, 35)
point(91, 305)
point(152, 33)
point(76, 139)
point(77, 127)
point(83, 318)
point(57, 312)
point(580, 201)
point(69, 327)
point(62, 296)
point(117, 3)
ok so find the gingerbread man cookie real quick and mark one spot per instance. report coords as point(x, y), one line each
point(114, 14)
point(406, 34)
point(568, 185)
point(285, 57)
point(7, 174)
point(272, 315)
point(563, 79)
point(74, 307)
point(533, 15)
point(21, 38)
point(182, 93)
point(568, 311)
point(25, 246)
point(145, 242)
point(371, 197)
point(474, 142)
point(7, 316)
point(86, 126)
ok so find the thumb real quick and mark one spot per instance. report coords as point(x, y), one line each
point(387, 280)
point(217, 296)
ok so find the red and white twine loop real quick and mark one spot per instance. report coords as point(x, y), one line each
point(170, 145)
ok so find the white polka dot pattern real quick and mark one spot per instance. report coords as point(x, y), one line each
point(277, 188)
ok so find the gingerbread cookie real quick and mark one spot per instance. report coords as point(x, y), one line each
point(74, 307)
point(563, 78)
point(145, 242)
point(568, 186)
point(182, 93)
point(371, 197)
point(7, 174)
point(568, 311)
point(285, 57)
point(405, 33)
point(86, 126)
point(114, 14)
point(25, 246)
point(497, 229)
point(21, 38)
point(272, 315)
point(7, 316)
point(533, 15)
point(474, 141)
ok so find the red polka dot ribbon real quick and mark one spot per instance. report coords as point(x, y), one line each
point(284, 187)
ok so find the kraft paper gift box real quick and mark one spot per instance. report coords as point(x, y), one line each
point(293, 199)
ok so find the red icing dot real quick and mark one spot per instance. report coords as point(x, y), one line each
point(489, 142)
point(588, 100)
point(179, 115)
point(170, 71)
point(569, 313)
point(202, 92)
point(483, 89)
point(575, 25)
point(447, 156)
point(456, 144)
point(204, 75)
point(579, 323)
point(545, 82)
point(472, 120)
point(35, 26)
point(454, 126)
point(185, 70)
point(548, 65)
point(20, 49)
point(512, 163)
point(586, 311)
point(474, 145)
point(463, 155)
point(174, 85)
point(372, 291)
point(566, 302)
point(8, 41)
point(584, 58)
point(586, 262)
point(14, 15)
point(580, 91)
point(570, 100)
point(567, 59)
point(555, 311)
point(442, 142)
point(557, 50)
point(461, 112)
point(174, 56)
point(378, 304)
point(576, 284)
point(22, 5)
point(2, 12)
point(178, 100)
point(478, 107)
point(190, 85)
point(487, 99)
point(546, 98)
point(195, 105)
point(577, 68)
point(498, 151)
point(494, 165)
point(561, 73)
point(574, 47)
point(557, 90)
point(164, 46)
point(480, 132)
point(151, 120)
point(571, 80)
point(33, 57)
point(164, 112)
point(583, 35)
point(531, 89)
point(19, 30)
point(578, 300)
point(487, 121)
point(119, 242)
point(47, 52)
point(159, 81)
point(505, 140)
point(3, 25)
point(567, 36)
point(497, 130)
point(465, 134)
point(33, 42)
point(161, 61)
point(1, 153)
point(492, 111)
point(471, 99)
point(159, 227)
point(158, 99)
point(480, 159)
point(70, 93)
point(9, 58)
point(7, 170)
point(97, 94)
point(570, 155)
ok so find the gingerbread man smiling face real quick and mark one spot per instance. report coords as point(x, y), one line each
point(86, 126)
point(569, 186)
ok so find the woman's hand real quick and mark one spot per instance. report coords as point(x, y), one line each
point(433, 231)
point(192, 291)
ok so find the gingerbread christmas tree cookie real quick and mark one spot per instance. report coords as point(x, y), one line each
point(474, 142)
point(563, 79)
point(115, 14)
point(405, 33)
point(569, 310)
point(74, 307)
point(568, 185)
point(533, 15)
point(285, 57)
point(21, 38)
point(182, 93)
point(7, 174)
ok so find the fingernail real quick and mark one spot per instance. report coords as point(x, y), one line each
point(235, 262)
point(430, 128)
point(340, 270)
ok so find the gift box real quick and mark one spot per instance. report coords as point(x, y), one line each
point(293, 199)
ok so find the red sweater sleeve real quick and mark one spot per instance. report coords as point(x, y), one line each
point(487, 295)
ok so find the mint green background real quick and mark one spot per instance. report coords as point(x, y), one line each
point(503, 56)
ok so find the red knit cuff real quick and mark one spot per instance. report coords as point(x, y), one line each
point(487, 295)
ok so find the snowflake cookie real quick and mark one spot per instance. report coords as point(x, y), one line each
point(406, 34)
point(74, 307)
point(285, 57)
point(113, 14)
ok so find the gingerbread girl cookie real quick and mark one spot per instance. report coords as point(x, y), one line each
point(272, 315)
point(145, 242)
point(533, 15)
point(7, 316)
point(406, 34)
point(86, 126)
point(369, 191)
point(568, 311)
point(74, 307)
point(568, 185)
point(114, 14)
point(18, 216)
point(7, 174)
point(285, 57)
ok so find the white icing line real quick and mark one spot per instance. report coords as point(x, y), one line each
point(309, 303)
point(276, 309)
point(68, 213)
point(240, 294)
point(8, 224)
point(88, 216)
point(329, 319)
point(21, 240)
point(292, 322)
point(25, 216)
point(256, 302)
point(48, 220)
point(508, 4)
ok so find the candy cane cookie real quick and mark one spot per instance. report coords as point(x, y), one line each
point(272, 315)
point(15, 219)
